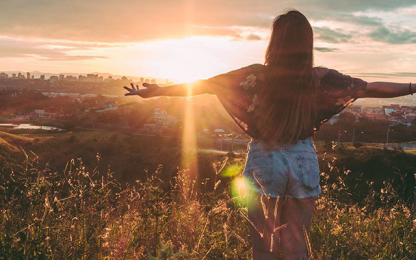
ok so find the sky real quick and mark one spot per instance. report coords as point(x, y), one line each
point(185, 40)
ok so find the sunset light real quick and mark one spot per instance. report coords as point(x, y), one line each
point(188, 60)
point(213, 130)
point(189, 149)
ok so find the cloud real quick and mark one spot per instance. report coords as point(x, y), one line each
point(253, 37)
point(214, 30)
point(355, 5)
point(383, 34)
point(42, 50)
point(129, 21)
point(360, 20)
point(331, 36)
point(133, 21)
point(388, 75)
point(325, 49)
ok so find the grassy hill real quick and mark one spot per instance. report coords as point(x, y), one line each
point(82, 213)
point(131, 156)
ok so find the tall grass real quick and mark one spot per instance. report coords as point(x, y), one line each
point(84, 214)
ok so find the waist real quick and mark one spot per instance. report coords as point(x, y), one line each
point(305, 145)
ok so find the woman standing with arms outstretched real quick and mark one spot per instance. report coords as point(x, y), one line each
point(280, 104)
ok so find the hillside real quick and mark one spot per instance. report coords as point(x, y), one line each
point(131, 156)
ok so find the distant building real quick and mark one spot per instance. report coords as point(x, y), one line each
point(355, 109)
point(61, 77)
point(28, 75)
point(109, 104)
point(71, 78)
point(390, 109)
point(373, 110)
point(91, 78)
point(150, 128)
point(39, 113)
point(146, 81)
point(42, 77)
point(409, 109)
point(395, 106)
point(13, 75)
point(333, 119)
point(53, 79)
point(162, 119)
point(108, 80)
point(153, 81)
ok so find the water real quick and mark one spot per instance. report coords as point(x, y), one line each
point(30, 126)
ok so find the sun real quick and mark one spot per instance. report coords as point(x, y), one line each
point(188, 60)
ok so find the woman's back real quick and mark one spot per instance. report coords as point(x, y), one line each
point(239, 91)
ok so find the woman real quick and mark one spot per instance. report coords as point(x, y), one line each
point(280, 104)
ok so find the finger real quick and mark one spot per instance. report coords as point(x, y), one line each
point(129, 90)
point(146, 85)
point(137, 86)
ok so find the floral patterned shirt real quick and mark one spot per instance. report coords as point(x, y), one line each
point(238, 93)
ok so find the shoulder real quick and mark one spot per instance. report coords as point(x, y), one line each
point(336, 79)
point(251, 69)
point(320, 72)
point(235, 77)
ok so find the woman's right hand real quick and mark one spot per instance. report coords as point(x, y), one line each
point(150, 90)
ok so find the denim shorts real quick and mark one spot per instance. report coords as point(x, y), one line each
point(283, 170)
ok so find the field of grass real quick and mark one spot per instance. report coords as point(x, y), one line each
point(83, 214)
point(85, 211)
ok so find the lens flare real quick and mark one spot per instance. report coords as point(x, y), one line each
point(232, 170)
point(189, 158)
point(239, 191)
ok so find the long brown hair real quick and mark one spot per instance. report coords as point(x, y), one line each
point(287, 98)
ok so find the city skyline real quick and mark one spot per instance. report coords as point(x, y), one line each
point(82, 77)
point(189, 40)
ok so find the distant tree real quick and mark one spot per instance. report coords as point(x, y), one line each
point(71, 139)
point(346, 118)
point(69, 125)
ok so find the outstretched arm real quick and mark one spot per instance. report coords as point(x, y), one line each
point(179, 90)
point(387, 90)
point(218, 85)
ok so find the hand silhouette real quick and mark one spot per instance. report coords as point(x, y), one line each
point(150, 90)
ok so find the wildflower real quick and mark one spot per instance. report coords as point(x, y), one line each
point(336, 230)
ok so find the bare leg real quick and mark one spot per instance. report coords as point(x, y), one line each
point(297, 214)
point(287, 218)
point(263, 218)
